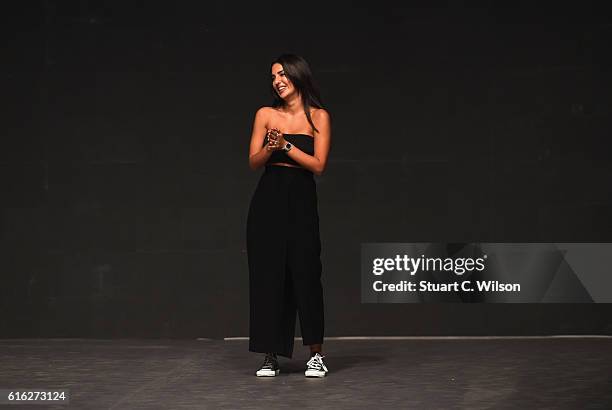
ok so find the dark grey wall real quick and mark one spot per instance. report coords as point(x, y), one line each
point(125, 133)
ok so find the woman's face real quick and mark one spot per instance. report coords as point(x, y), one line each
point(282, 85)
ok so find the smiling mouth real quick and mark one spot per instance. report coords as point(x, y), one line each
point(281, 89)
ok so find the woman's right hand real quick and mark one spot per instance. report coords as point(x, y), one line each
point(273, 140)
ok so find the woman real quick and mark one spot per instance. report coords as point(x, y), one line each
point(292, 140)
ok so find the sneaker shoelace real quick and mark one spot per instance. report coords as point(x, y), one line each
point(269, 362)
point(316, 363)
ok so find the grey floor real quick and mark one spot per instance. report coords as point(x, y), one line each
point(431, 374)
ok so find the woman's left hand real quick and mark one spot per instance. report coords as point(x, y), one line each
point(281, 140)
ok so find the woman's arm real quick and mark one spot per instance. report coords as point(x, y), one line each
point(322, 142)
point(258, 155)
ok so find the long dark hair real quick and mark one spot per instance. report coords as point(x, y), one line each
point(299, 73)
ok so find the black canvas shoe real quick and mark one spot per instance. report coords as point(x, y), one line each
point(270, 366)
point(315, 366)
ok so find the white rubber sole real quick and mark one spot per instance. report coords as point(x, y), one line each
point(315, 373)
point(267, 373)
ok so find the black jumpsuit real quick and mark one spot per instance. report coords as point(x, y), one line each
point(284, 248)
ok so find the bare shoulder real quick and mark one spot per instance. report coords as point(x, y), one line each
point(264, 111)
point(263, 115)
point(321, 119)
point(320, 114)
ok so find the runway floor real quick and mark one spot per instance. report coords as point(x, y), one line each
point(565, 373)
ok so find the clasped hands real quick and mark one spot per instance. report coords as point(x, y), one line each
point(276, 140)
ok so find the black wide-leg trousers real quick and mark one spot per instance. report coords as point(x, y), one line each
point(284, 249)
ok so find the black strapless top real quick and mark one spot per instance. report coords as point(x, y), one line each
point(302, 141)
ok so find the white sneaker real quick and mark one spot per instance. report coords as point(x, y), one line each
point(270, 367)
point(315, 366)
